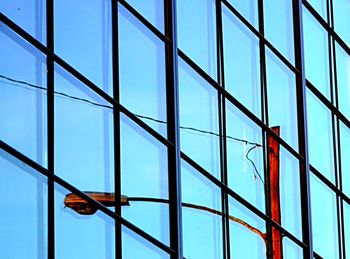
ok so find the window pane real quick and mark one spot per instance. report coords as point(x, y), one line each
point(196, 28)
point(320, 6)
point(23, 192)
point(142, 71)
point(83, 38)
point(198, 119)
point(281, 92)
point(23, 101)
point(135, 246)
point(279, 26)
point(345, 154)
point(81, 236)
point(83, 136)
point(347, 228)
point(245, 162)
point(245, 243)
point(152, 10)
point(320, 136)
point(343, 80)
point(202, 230)
point(144, 173)
point(249, 10)
point(324, 219)
point(316, 54)
point(241, 57)
point(30, 15)
point(341, 10)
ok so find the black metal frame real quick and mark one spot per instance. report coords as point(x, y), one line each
point(172, 53)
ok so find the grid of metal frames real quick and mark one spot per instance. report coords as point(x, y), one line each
point(171, 142)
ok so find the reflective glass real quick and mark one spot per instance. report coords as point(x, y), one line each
point(152, 10)
point(202, 228)
point(281, 94)
point(324, 220)
point(290, 193)
point(30, 15)
point(343, 80)
point(241, 62)
point(279, 26)
point(82, 236)
point(341, 10)
point(345, 154)
point(135, 246)
point(83, 38)
point(248, 9)
point(246, 233)
point(320, 6)
point(22, 96)
point(198, 119)
point(346, 207)
point(141, 71)
point(291, 250)
point(144, 173)
point(320, 136)
point(245, 162)
point(316, 54)
point(23, 192)
point(196, 28)
point(83, 135)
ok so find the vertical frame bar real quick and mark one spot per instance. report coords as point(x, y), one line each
point(265, 119)
point(222, 130)
point(50, 126)
point(173, 132)
point(116, 128)
point(302, 128)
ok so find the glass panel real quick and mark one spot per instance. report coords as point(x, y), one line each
point(83, 38)
point(198, 119)
point(341, 10)
point(196, 28)
point(279, 26)
point(202, 229)
point(144, 173)
point(30, 15)
point(316, 54)
point(152, 10)
point(246, 233)
point(320, 136)
point(347, 228)
point(241, 57)
point(135, 246)
point(23, 96)
point(345, 154)
point(324, 220)
point(320, 6)
point(281, 92)
point(343, 80)
point(291, 250)
point(23, 192)
point(83, 135)
point(248, 9)
point(290, 193)
point(82, 236)
point(142, 71)
point(245, 162)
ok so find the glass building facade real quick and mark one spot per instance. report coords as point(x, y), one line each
point(190, 128)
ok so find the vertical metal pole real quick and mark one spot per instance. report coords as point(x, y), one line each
point(302, 129)
point(172, 97)
point(116, 128)
point(222, 130)
point(274, 176)
point(50, 126)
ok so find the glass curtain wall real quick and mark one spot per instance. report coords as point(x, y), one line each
point(175, 129)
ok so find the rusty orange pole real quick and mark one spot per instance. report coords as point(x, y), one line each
point(274, 178)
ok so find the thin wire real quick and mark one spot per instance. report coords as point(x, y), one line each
point(246, 142)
